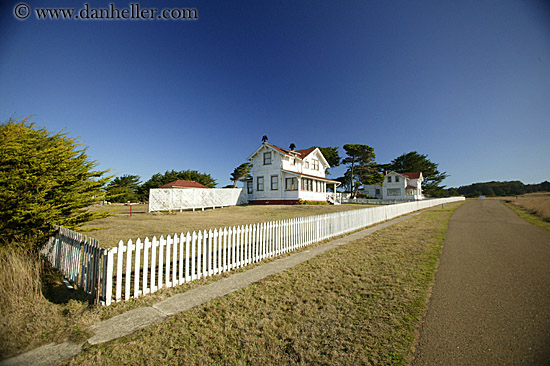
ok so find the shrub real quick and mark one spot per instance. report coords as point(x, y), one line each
point(304, 202)
point(45, 179)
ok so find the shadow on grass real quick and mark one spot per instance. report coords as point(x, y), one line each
point(56, 291)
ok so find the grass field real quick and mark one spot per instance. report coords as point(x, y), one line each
point(534, 207)
point(49, 312)
point(122, 226)
point(358, 304)
point(535, 203)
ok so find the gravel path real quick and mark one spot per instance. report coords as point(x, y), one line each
point(490, 303)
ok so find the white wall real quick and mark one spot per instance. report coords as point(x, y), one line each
point(266, 171)
point(167, 199)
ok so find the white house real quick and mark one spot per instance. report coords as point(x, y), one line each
point(287, 176)
point(397, 186)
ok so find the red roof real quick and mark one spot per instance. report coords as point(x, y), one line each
point(414, 175)
point(301, 153)
point(183, 184)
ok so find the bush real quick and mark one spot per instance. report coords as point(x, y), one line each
point(45, 179)
point(304, 202)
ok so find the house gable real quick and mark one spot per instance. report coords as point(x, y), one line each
point(283, 175)
point(398, 186)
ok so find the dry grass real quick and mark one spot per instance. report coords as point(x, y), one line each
point(358, 304)
point(144, 224)
point(535, 203)
point(534, 208)
point(28, 319)
point(37, 308)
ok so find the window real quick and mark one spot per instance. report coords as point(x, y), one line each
point(274, 182)
point(307, 164)
point(377, 191)
point(394, 191)
point(291, 184)
point(249, 187)
point(260, 184)
point(267, 158)
point(308, 184)
point(316, 164)
point(389, 179)
point(396, 179)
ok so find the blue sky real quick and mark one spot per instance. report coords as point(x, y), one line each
point(465, 82)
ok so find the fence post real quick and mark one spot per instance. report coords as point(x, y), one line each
point(109, 277)
point(187, 256)
point(168, 262)
point(129, 248)
point(233, 237)
point(120, 253)
point(137, 268)
point(153, 280)
point(146, 246)
point(162, 244)
point(175, 260)
point(210, 255)
point(193, 256)
point(181, 277)
point(225, 251)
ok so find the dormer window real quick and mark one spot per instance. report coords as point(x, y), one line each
point(267, 158)
point(389, 179)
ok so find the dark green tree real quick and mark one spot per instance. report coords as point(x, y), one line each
point(160, 179)
point(415, 162)
point(240, 172)
point(123, 189)
point(332, 156)
point(45, 179)
point(362, 168)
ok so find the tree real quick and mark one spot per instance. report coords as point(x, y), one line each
point(240, 172)
point(415, 162)
point(362, 168)
point(331, 155)
point(123, 189)
point(45, 180)
point(159, 179)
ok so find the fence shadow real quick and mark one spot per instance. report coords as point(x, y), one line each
point(56, 291)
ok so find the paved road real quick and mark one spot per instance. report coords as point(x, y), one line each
point(490, 303)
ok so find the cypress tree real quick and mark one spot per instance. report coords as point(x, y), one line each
point(45, 179)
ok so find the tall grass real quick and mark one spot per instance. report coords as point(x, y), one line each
point(20, 273)
point(538, 204)
point(20, 296)
point(27, 319)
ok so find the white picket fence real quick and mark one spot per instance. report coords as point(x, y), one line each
point(78, 257)
point(140, 268)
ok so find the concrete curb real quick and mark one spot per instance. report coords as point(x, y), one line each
point(134, 320)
